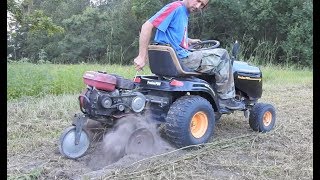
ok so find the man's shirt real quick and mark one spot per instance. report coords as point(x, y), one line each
point(172, 27)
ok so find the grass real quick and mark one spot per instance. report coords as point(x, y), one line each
point(33, 174)
point(26, 79)
point(35, 122)
point(281, 75)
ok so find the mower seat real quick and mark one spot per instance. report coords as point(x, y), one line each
point(163, 61)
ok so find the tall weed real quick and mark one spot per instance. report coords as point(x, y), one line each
point(262, 52)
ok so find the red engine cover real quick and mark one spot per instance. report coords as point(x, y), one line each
point(99, 80)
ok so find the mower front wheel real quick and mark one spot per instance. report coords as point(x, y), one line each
point(190, 121)
point(69, 148)
point(262, 117)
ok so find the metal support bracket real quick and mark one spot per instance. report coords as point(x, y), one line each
point(246, 113)
point(79, 121)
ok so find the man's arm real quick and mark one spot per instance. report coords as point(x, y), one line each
point(144, 39)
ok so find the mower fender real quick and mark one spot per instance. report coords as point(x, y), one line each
point(205, 90)
point(193, 86)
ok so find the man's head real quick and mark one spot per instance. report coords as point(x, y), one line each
point(195, 5)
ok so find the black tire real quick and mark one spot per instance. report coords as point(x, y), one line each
point(182, 113)
point(262, 117)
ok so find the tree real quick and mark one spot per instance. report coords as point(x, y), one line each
point(144, 9)
point(276, 31)
point(298, 46)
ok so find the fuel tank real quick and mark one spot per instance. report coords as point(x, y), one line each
point(100, 80)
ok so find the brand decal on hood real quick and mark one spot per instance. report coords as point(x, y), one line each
point(154, 83)
point(249, 78)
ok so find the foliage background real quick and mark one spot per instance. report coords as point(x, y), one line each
point(107, 31)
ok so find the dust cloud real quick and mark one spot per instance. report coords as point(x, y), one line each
point(112, 148)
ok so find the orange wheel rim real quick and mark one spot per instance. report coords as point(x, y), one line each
point(199, 124)
point(267, 118)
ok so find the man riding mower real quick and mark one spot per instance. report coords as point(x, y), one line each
point(183, 102)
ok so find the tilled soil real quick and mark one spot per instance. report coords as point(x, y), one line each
point(234, 152)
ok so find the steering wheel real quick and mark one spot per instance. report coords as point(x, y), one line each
point(204, 45)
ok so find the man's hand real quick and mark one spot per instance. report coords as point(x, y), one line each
point(193, 41)
point(144, 39)
point(139, 63)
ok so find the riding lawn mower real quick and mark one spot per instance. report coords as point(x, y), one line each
point(182, 102)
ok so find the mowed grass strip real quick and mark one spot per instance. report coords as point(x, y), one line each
point(235, 151)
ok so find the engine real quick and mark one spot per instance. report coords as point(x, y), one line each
point(108, 95)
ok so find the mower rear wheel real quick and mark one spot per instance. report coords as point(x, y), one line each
point(262, 117)
point(67, 146)
point(190, 121)
point(140, 141)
